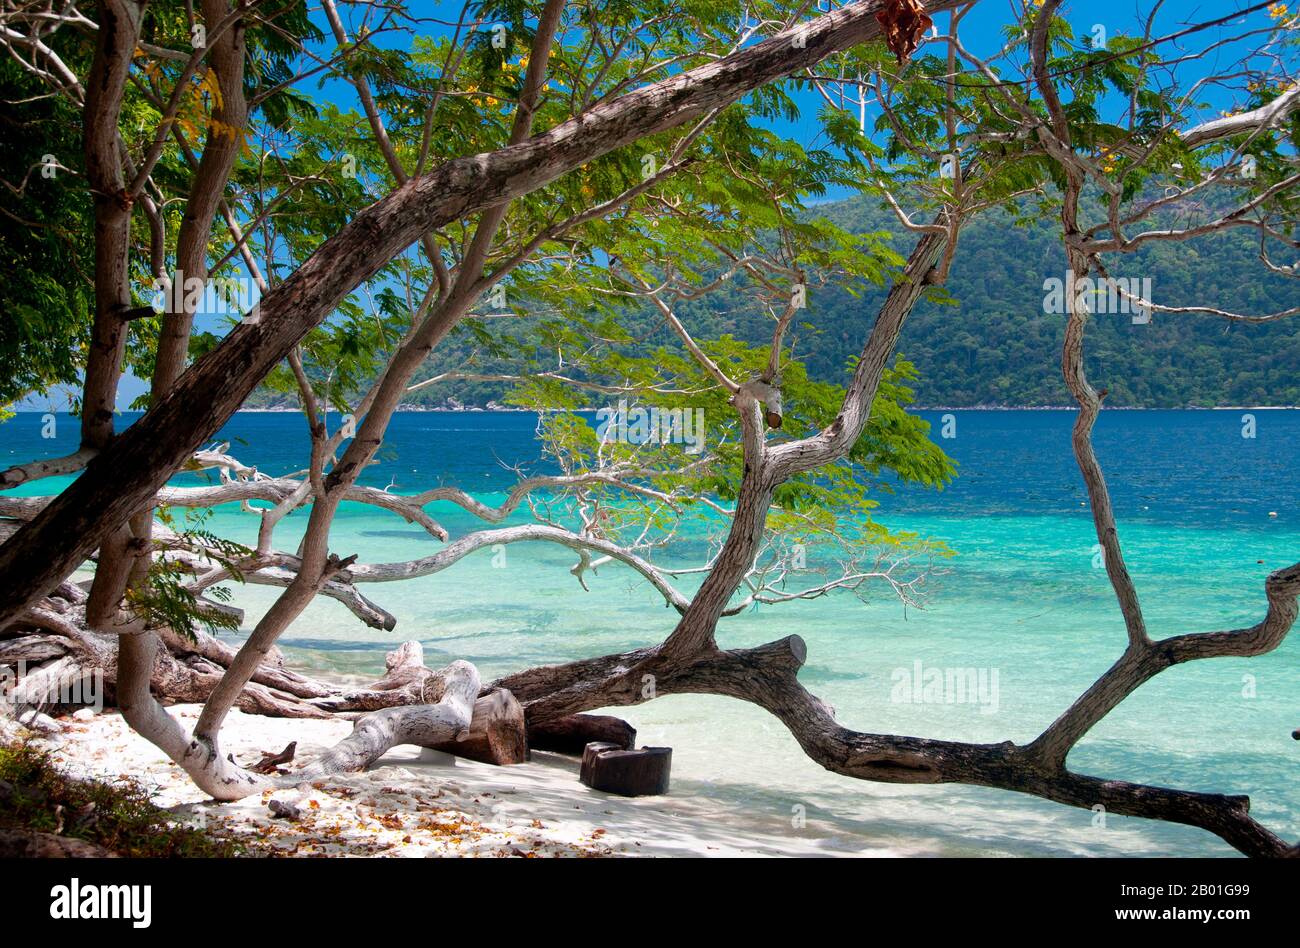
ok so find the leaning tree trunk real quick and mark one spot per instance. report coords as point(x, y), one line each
point(131, 470)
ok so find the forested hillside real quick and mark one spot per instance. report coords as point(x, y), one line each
point(993, 345)
point(996, 346)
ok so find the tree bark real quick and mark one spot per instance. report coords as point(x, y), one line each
point(115, 44)
point(225, 137)
point(572, 734)
point(629, 773)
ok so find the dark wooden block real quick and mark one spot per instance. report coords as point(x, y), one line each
point(629, 773)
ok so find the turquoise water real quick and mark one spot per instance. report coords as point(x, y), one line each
point(1021, 598)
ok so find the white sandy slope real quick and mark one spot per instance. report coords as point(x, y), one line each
point(419, 803)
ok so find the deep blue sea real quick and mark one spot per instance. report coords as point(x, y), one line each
point(1205, 514)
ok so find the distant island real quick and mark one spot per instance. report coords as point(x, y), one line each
point(996, 348)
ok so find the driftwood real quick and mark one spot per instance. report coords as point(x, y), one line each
point(497, 734)
point(571, 734)
point(629, 773)
point(61, 654)
point(426, 725)
point(270, 763)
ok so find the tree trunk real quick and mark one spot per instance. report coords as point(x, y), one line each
point(571, 734)
point(122, 479)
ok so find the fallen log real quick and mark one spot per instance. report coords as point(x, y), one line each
point(571, 734)
point(60, 650)
point(425, 725)
point(406, 681)
point(32, 650)
point(497, 734)
point(629, 773)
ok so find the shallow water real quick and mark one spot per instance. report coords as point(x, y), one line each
point(1021, 599)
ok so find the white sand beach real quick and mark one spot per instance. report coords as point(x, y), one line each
point(419, 803)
